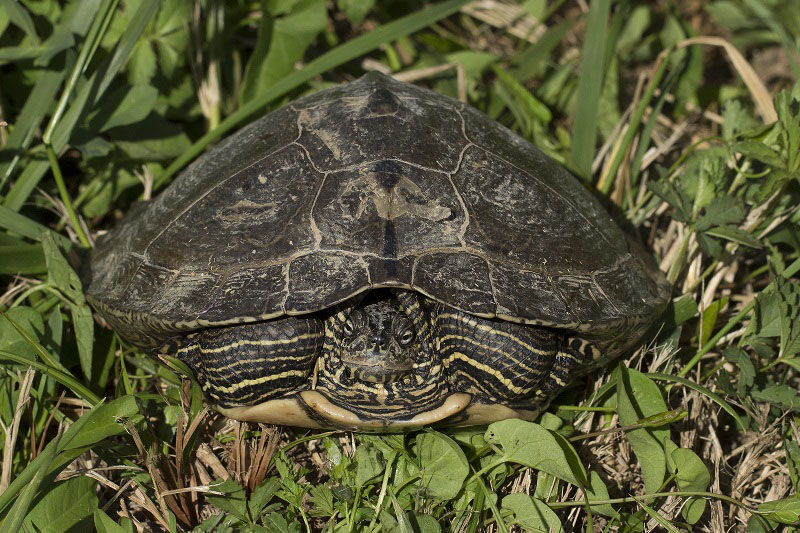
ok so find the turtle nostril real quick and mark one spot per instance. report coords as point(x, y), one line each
point(380, 341)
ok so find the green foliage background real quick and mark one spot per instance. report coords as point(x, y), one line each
point(695, 144)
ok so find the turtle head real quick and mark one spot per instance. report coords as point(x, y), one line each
point(378, 340)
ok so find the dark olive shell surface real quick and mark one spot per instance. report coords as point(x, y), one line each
point(374, 183)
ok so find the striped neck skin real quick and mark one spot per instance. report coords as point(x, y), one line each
point(378, 359)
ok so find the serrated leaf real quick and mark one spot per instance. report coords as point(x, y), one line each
point(734, 234)
point(768, 315)
point(444, 466)
point(261, 496)
point(760, 152)
point(532, 514)
point(61, 275)
point(722, 210)
point(780, 395)
point(675, 196)
point(739, 357)
point(531, 445)
point(322, 503)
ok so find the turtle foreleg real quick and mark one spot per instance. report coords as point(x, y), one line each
point(516, 365)
point(247, 364)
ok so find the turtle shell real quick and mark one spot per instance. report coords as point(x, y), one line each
point(374, 183)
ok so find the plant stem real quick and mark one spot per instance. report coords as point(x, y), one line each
point(62, 191)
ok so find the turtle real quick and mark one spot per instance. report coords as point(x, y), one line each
point(376, 256)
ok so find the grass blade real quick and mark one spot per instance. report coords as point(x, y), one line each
point(16, 516)
point(22, 225)
point(87, 95)
point(327, 61)
point(590, 84)
point(32, 114)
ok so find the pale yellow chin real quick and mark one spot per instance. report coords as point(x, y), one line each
point(310, 409)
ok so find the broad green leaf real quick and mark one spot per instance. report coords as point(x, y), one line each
point(734, 234)
point(282, 43)
point(443, 465)
point(11, 339)
point(22, 259)
point(61, 275)
point(356, 10)
point(424, 523)
point(66, 505)
point(710, 319)
point(24, 226)
point(691, 475)
point(369, 464)
point(597, 491)
point(532, 514)
point(722, 210)
point(126, 105)
point(531, 445)
point(785, 511)
point(276, 523)
point(684, 308)
point(322, 503)
point(22, 490)
point(768, 315)
point(638, 398)
point(142, 65)
point(105, 524)
point(101, 422)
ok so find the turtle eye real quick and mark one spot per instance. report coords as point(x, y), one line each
point(406, 337)
point(349, 328)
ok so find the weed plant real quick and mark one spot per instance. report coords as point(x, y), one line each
point(684, 118)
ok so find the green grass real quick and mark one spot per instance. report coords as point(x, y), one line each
point(696, 431)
